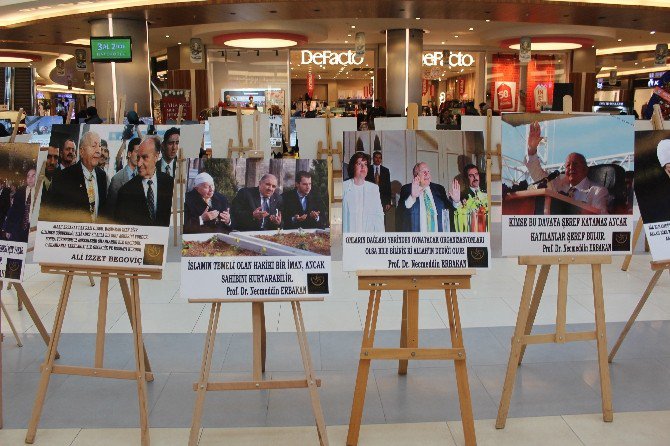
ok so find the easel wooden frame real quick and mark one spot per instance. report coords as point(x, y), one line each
point(131, 297)
point(253, 142)
point(530, 302)
point(656, 124)
point(411, 282)
point(259, 348)
point(658, 268)
point(329, 152)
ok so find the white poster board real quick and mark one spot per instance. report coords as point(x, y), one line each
point(400, 123)
point(224, 128)
point(312, 130)
point(564, 184)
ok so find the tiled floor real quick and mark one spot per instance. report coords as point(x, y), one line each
point(556, 399)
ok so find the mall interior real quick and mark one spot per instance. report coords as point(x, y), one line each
point(301, 59)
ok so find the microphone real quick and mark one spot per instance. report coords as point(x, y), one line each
point(541, 184)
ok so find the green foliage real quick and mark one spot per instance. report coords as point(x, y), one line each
point(224, 178)
point(320, 179)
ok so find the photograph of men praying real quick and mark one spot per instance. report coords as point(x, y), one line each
point(18, 191)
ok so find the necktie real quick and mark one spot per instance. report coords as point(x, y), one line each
point(376, 174)
point(265, 208)
point(132, 175)
point(90, 190)
point(26, 211)
point(430, 212)
point(150, 200)
point(167, 170)
point(303, 202)
point(571, 191)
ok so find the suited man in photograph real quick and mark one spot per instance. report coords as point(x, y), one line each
point(67, 153)
point(471, 175)
point(124, 175)
point(302, 208)
point(146, 200)
point(422, 202)
point(205, 210)
point(51, 169)
point(381, 176)
point(258, 208)
point(5, 200)
point(169, 150)
point(17, 224)
point(79, 192)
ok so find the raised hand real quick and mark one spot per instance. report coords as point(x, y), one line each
point(259, 213)
point(416, 187)
point(534, 138)
point(455, 191)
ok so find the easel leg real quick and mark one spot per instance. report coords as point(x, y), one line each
point(90, 280)
point(263, 338)
point(23, 297)
point(204, 373)
point(11, 324)
point(102, 322)
point(561, 303)
point(363, 368)
point(1, 341)
point(258, 323)
point(535, 304)
point(125, 291)
point(49, 359)
point(461, 369)
point(309, 373)
point(515, 351)
point(636, 235)
point(136, 323)
point(601, 341)
point(402, 364)
point(636, 312)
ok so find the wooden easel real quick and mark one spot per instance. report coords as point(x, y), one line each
point(178, 198)
point(120, 112)
point(23, 300)
point(110, 114)
point(253, 143)
point(658, 268)
point(656, 124)
point(411, 282)
point(530, 302)
point(257, 383)
point(131, 297)
point(329, 152)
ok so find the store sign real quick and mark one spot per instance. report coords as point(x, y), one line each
point(310, 84)
point(608, 104)
point(328, 57)
point(458, 59)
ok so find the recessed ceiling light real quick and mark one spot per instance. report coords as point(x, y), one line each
point(618, 40)
point(471, 29)
point(82, 42)
point(593, 46)
point(443, 43)
point(167, 36)
point(635, 63)
point(256, 40)
point(348, 35)
point(456, 37)
point(652, 32)
point(547, 46)
point(346, 41)
point(353, 26)
point(418, 18)
point(488, 20)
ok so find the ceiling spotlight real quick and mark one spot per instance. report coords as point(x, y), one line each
point(593, 46)
point(348, 35)
point(652, 32)
point(178, 43)
point(346, 41)
point(353, 26)
point(167, 36)
point(456, 37)
point(618, 40)
point(488, 20)
point(471, 29)
point(418, 18)
point(443, 43)
point(635, 63)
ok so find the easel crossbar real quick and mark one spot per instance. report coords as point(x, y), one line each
point(456, 354)
point(99, 372)
point(418, 283)
point(256, 385)
point(551, 338)
point(102, 271)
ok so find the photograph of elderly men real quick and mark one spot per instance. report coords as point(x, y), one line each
point(567, 164)
point(652, 175)
point(408, 181)
point(205, 209)
point(82, 193)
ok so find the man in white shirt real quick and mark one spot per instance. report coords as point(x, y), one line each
point(574, 182)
